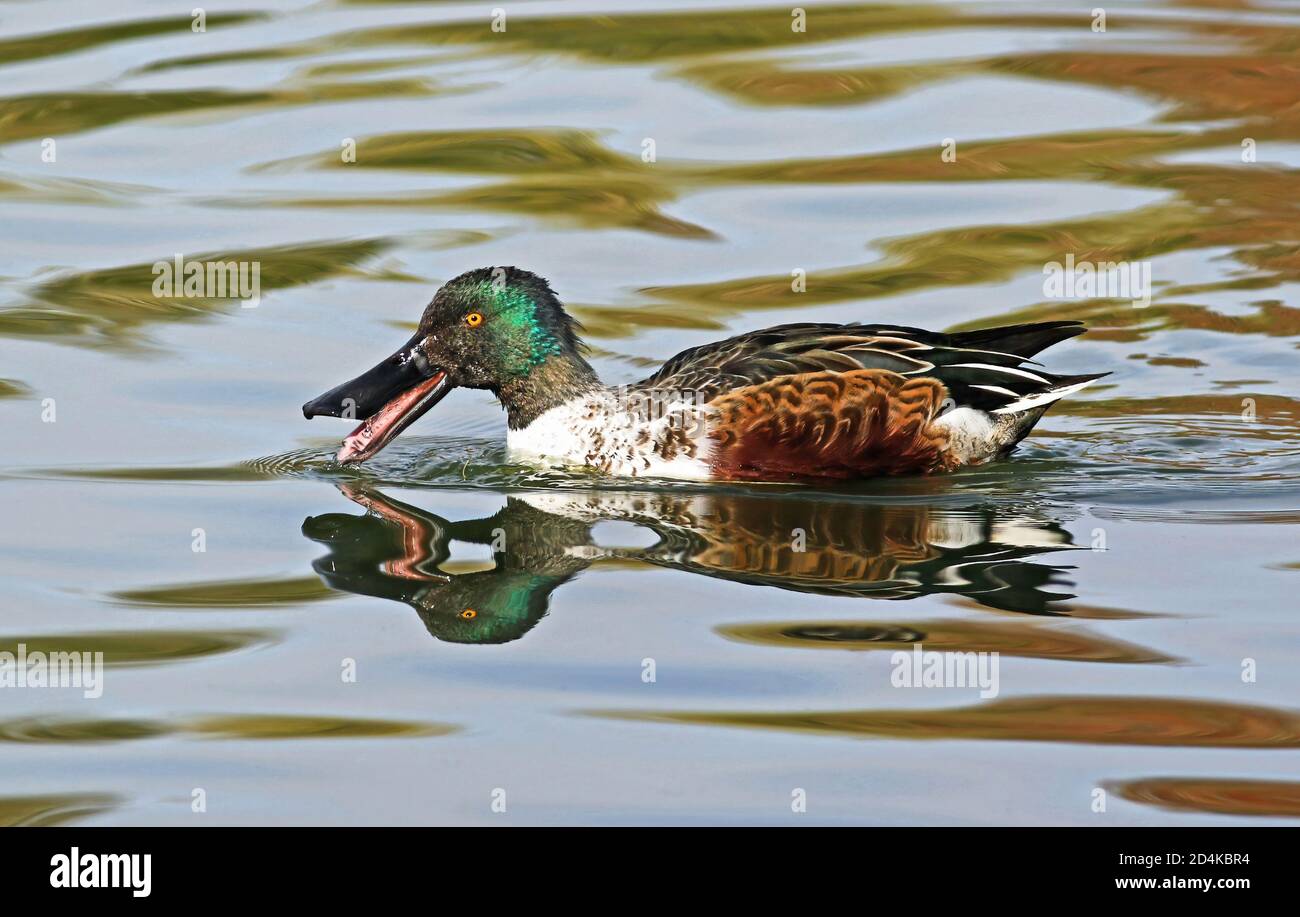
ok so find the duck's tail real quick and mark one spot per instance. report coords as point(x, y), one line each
point(1021, 340)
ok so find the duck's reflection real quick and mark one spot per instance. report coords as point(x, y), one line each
point(538, 542)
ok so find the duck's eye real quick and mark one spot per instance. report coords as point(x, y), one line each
point(474, 319)
point(469, 613)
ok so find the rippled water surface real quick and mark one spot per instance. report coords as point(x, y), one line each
point(1135, 565)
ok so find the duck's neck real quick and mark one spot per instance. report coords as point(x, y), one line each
point(560, 378)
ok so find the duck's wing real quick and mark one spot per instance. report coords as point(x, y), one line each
point(983, 369)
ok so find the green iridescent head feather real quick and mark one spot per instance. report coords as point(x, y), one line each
point(519, 314)
point(523, 323)
point(503, 329)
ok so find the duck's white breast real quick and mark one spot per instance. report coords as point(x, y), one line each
point(620, 436)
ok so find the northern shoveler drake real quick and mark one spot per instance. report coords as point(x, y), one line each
point(805, 400)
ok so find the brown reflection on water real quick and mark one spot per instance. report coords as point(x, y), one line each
point(986, 254)
point(1243, 72)
point(234, 593)
point(1030, 639)
point(29, 116)
point(1215, 796)
point(84, 37)
point(1278, 409)
point(111, 306)
point(570, 176)
point(1249, 208)
point(1152, 721)
point(778, 83)
point(47, 811)
point(243, 726)
point(499, 152)
point(55, 729)
point(646, 37)
point(1119, 321)
point(560, 175)
point(140, 648)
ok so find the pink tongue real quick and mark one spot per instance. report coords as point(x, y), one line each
point(374, 433)
point(354, 446)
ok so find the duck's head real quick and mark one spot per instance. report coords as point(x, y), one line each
point(495, 328)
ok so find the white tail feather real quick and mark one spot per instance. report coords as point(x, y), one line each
point(1039, 399)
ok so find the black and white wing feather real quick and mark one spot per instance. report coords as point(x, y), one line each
point(990, 370)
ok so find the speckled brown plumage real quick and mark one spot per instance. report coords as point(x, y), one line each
point(860, 423)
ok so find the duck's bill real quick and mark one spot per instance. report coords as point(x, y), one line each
point(389, 398)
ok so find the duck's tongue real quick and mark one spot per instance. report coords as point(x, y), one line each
point(396, 415)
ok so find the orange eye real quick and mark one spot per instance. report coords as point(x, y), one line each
point(474, 319)
point(469, 613)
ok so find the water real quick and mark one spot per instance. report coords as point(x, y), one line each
point(1134, 564)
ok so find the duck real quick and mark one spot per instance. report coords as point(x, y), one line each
point(807, 400)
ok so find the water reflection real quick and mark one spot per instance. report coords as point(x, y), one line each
point(1215, 795)
point(1147, 721)
point(141, 647)
point(1029, 639)
point(64, 730)
point(399, 552)
point(48, 811)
